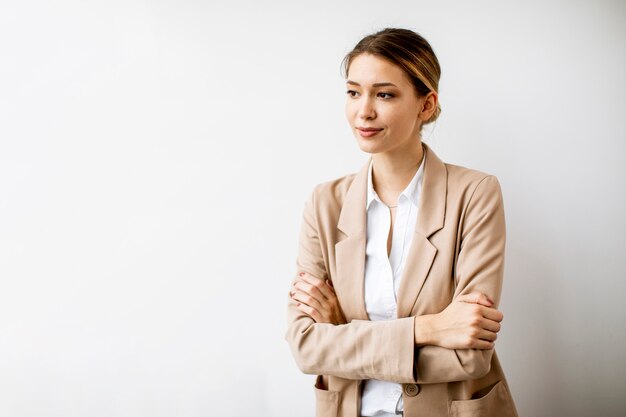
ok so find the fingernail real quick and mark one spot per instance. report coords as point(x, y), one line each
point(301, 274)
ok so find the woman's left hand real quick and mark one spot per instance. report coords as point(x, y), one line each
point(316, 298)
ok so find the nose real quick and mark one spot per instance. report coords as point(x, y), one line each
point(366, 109)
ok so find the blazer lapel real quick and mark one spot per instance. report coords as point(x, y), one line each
point(350, 251)
point(430, 218)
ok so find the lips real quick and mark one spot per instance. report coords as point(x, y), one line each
point(367, 132)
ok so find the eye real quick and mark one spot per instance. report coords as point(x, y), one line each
point(349, 92)
point(387, 94)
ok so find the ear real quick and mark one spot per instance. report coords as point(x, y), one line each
point(429, 105)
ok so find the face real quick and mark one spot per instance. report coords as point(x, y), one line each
point(381, 96)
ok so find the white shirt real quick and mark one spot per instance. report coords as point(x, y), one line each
point(383, 275)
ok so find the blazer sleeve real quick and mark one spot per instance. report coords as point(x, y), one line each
point(479, 267)
point(361, 349)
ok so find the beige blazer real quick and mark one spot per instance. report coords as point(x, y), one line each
point(458, 248)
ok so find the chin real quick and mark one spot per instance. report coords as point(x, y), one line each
point(369, 145)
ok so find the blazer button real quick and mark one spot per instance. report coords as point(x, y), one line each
point(411, 389)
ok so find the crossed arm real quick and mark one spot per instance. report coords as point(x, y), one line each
point(453, 345)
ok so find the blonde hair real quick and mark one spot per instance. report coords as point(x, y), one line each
point(408, 50)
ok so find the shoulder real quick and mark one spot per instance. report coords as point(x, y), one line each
point(458, 182)
point(333, 190)
point(462, 176)
point(473, 194)
point(467, 181)
point(327, 199)
point(331, 193)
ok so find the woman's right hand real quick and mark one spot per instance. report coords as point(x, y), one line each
point(469, 322)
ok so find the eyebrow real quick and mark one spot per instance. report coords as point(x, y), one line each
point(373, 85)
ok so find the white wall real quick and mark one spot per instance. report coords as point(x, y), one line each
point(154, 161)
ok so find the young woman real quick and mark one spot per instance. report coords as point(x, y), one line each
point(400, 265)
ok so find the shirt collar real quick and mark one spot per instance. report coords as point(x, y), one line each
point(410, 192)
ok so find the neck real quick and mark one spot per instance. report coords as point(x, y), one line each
point(392, 172)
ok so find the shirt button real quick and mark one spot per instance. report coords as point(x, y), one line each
point(411, 389)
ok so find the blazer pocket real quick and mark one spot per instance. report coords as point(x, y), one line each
point(326, 401)
point(495, 403)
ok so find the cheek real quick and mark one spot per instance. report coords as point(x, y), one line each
point(349, 111)
point(404, 120)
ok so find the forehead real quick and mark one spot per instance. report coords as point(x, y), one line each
point(367, 69)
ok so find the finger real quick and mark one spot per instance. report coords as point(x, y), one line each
point(312, 290)
point(306, 299)
point(491, 313)
point(491, 325)
point(487, 335)
point(301, 274)
point(483, 344)
point(297, 277)
point(310, 311)
point(319, 284)
point(313, 298)
point(477, 298)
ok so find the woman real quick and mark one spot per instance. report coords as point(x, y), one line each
point(400, 266)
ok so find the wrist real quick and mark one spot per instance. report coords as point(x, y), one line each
point(423, 330)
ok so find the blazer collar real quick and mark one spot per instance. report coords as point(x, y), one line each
point(432, 202)
point(350, 251)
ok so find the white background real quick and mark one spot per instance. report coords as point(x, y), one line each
point(155, 157)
